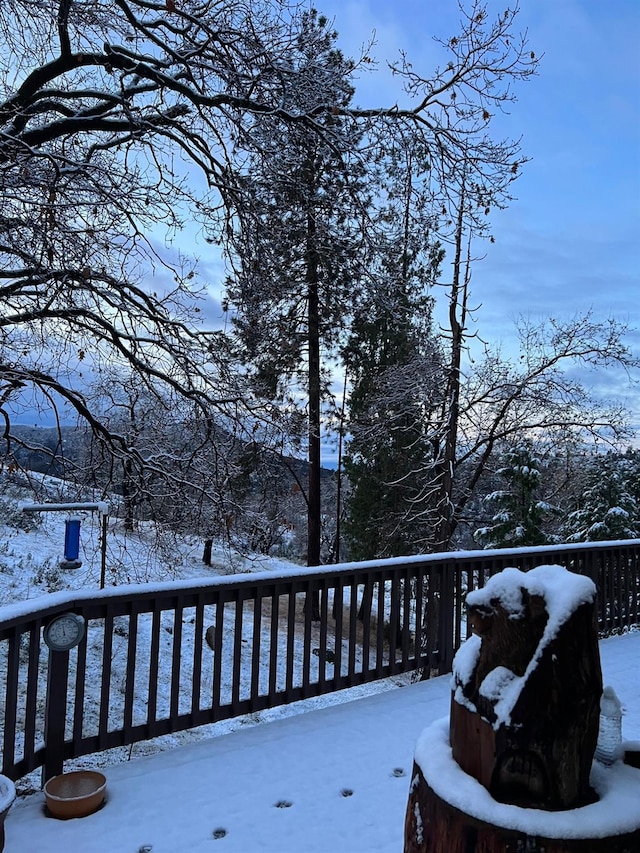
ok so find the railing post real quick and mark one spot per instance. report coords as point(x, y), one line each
point(55, 714)
point(431, 621)
point(445, 632)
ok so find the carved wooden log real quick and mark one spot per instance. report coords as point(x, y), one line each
point(523, 724)
point(7, 796)
point(538, 752)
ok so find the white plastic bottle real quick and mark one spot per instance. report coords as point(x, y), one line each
point(610, 732)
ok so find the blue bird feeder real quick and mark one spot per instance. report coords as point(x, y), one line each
point(71, 544)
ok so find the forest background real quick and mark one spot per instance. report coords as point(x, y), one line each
point(350, 237)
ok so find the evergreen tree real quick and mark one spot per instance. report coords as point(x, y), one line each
point(609, 506)
point(393, 363)
point(520, 516)
point(298, 242)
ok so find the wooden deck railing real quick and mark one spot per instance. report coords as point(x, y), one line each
point(165, 658)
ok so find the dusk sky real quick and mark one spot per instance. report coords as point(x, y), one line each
point(570, 241)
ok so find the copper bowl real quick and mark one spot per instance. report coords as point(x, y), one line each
point(75, 794)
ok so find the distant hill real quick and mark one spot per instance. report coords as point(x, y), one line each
point(49, 450)
point(46, 450)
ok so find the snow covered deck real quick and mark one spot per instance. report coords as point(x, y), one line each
point(334, 779)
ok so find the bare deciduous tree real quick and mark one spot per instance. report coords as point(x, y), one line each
point(120, 121)
point(105, 109)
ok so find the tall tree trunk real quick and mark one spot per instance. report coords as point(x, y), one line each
point(438, 618)
point(127, 494)
point(313, 321)
point(128, 485)
point(446, 521)
point(336, 547)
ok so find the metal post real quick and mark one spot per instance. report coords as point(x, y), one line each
point(103, 550)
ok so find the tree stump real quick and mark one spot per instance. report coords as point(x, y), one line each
point(7, 796)
point(524, 725)
point(432, 825)
point(525, 720)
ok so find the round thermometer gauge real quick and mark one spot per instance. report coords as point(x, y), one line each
point(64, 632)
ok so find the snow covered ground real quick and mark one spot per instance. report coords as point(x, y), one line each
point(30, 552)
point(32, 546)
point(329, 774)
point(334, 780)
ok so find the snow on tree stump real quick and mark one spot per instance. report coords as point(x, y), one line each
point(7, 796)
point(512, 769)
point(433, 824)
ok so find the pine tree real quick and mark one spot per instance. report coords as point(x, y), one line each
point(297, 242)
point(520, 516)
point(393, 363)
point(609, 507)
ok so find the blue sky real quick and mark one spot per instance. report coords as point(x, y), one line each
point(570, 242)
